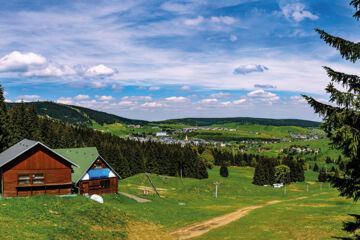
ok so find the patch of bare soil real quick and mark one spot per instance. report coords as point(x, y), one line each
point(198, 229)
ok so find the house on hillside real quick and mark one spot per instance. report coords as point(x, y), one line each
point(94, 175)
point(29, 168)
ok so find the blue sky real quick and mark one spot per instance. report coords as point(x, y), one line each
point(169, 59)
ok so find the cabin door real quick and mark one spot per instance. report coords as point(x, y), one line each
point(85, 187)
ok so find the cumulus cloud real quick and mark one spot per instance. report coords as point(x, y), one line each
point(154, 88)
point(137, 98)
point(264, 86)
point(194, 21)
point(97, 84)
point(177, 99)
point(50, 70)
point(81, 97)
point(240, 101)
point(209, 100)
point(250, 68)
point(99, 70)
point(28, 97)
point(263, 96)
point(105, 98)
point(20, 62)
point(225, 20)
point(221, 95)
point(153, 104)
point(185, 88)
point(297, 12)
point(126, 103)
point(65, 100)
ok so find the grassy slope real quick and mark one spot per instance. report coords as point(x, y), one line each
point(52, 217)
point(320, 215)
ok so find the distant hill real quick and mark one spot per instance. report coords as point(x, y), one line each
point(80, 115)
point(243, 121)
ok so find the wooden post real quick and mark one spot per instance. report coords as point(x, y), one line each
point(148, 176)
point(307, 187)
point(216, 188)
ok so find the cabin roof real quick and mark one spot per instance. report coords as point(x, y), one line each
point(84, 157)
point(21, 147)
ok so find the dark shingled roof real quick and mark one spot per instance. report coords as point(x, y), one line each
point(16, 150)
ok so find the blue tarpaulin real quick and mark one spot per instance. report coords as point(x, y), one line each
point(99, 173)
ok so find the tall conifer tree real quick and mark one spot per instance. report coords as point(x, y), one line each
point(342, 117)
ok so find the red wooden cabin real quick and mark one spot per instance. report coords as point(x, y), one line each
point(30, 168)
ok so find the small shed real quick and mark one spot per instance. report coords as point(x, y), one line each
point(94, 175)
point(29, 168)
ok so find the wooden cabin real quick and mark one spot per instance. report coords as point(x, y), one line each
point(94, 175)
point(30, 168)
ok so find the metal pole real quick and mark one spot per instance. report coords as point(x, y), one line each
point(216, 191)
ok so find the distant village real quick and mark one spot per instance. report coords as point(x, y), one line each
point(167, 138)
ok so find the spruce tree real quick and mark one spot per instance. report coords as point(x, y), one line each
point(322, 175)
point(316, 168)
point(224, 172)
point(5, 134)
point(342, 117)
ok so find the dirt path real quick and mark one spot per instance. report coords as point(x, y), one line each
point(198, 229)
point(138, 199)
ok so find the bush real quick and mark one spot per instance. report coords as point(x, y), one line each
point(224, 172)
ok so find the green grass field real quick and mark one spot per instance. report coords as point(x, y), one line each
point(314, 214)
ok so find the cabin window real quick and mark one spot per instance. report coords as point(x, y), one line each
point(105, 184)
point(24, 179)
point(38, 178)
point(97, 165)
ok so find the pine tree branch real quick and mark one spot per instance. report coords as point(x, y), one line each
point(351, 82)
point(346, 99)
point(348, 50)
point(356, 4)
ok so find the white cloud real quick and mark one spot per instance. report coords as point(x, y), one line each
point(105, 98)
point(97, 84)
point(194, 21)
point(99, 70)
point(137, 98)
point(20, 62)
point(154, 88)
point(250, 68)
point(221, 95)
point(233, 38)
point(264, 86)
point(65, 100)
point(177, 99)
point(185, 88)
point(297, 12)
point(5, 93)
point(28, 97)
point(81, 97)
point(126, 103)
point(152, 104)
point(225, 20)
point(263, 96)
point(50, 70)
point(209, 100)
point(240, 101)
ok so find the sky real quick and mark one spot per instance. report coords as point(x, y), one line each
point(155, 60)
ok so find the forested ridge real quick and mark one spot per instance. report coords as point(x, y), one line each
point(83, 116)
point(127, 157)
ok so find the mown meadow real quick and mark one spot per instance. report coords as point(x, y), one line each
point(308, 210)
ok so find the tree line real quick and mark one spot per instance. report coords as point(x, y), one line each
point(126, 156)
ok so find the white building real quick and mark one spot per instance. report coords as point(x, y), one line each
point(161, 134)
